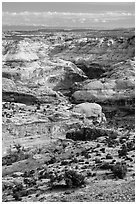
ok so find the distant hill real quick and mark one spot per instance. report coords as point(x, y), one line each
point(43, 28)
point(19, 28)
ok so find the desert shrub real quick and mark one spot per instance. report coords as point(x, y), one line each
point(122, 139)
point(16, 192)
point(64, 162)
point(14, 156)
point(109, 156)
point(53, 178)
point(43, 174)
point(73, 179)
point(29, 173)
point(52, 160)
point(105, 166)
point(88, 173)
point(119, 170)
point(102, 150)
point(98, 161)
point(85, 154)
point(123, 151)
point(9, 159)
point(18, 147)
point(131, 145)
point(111, 142)
point(75, 160)
point(30, 181)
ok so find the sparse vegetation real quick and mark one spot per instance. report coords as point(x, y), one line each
point(123, 151)
point(74, 179)
point(15, 155)
point(119, 170)
point(17, 192)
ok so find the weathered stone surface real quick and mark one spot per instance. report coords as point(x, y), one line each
point(88, 109)
point(111, 90)
point(23, 66)
point(18, 92)
point(118, 84)
point(90, 68)
point(20, 52)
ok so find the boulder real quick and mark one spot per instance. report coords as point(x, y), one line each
point(88, 109)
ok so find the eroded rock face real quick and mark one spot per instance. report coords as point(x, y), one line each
point(17, 92)
point(90, 68)
point(20, 93)
point(32, 63)
point(20, 51)
point(119, 84)
point(26, 68)
point(111, 90)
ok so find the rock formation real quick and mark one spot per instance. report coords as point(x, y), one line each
point(68, 116)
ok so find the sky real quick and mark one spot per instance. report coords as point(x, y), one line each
point(69, 14)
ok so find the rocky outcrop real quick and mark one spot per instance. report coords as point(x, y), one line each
point(118, 84)
point(111, 90)
point(19, 93)
point(28, 70)
point(89, 110)
point(10, 74)
point(56, 76)
point(20, 51)
point(64, 75)
point(90, 68)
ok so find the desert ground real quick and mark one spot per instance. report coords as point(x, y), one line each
point(68, 116)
